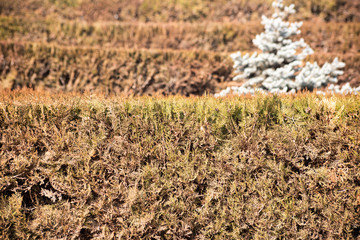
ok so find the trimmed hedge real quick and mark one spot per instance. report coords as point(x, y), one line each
point(177, 10)
point(136, 72)
point(85, 166)
point(209, 36)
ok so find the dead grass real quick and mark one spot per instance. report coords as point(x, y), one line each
point(87, 166)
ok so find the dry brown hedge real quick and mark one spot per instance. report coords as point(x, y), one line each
point(136, 72)
point(89, 167)
point(175, 10)
point(113, 70)
point(222, 37)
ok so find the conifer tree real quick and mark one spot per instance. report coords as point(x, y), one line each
point(279, 67)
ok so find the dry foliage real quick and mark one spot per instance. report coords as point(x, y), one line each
point(221, 37)
point(93, 166)
point(151, 47)
point(86, 166)
point(177, 10)
point(133, 71)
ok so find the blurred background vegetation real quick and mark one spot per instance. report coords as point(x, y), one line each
point(177, 10)
point(157, 47)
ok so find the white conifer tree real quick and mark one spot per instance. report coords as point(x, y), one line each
point(278, 69)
